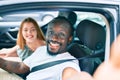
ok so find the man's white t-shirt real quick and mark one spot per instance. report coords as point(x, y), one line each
point(40, 56)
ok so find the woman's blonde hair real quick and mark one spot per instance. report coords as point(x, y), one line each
point(20, 40)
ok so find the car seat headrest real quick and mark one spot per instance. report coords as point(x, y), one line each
point(91, 34)
point(70, 15)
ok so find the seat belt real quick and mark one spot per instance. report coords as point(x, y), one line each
point(49, 64)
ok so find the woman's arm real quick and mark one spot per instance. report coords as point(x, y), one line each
point(9, 52)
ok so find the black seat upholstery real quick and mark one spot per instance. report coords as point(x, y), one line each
point(70, 15)
point(91, 41)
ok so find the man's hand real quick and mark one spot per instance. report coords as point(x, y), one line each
point(81, 76)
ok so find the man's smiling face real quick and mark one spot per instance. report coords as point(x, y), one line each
point(57, 38)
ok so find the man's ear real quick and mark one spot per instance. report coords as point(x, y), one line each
point(70, 39)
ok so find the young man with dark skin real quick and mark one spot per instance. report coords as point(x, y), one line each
point(59, 35)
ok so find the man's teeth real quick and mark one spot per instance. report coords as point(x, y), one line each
point(54, 44)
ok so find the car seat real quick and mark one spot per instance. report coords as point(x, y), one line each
point(91, 41)
point(70, 15)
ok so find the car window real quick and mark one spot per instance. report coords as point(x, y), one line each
point(14, 19)
point(91, 16)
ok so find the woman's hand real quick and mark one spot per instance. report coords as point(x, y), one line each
point(3, 52)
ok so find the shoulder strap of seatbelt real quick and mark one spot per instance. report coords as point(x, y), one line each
point(49, 64)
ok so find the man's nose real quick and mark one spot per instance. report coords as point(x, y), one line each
point(55, 37)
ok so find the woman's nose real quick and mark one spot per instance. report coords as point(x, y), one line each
point(29, 31)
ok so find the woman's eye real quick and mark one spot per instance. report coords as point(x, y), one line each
point(33, 30)
point(25, 30)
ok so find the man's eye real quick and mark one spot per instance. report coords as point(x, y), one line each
point(50, 32)
point(62, 35)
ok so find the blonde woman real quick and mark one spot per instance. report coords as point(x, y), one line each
point(30, 37)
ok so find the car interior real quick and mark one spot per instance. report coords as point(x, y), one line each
point(95, 26)
point(91, 40)
point(89, 36)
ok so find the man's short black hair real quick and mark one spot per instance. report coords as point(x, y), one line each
point(63, 22)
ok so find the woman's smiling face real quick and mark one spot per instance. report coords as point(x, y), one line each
point(29, 32)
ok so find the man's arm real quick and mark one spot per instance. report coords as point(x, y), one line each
point(81, 76)
point(15, 67)
point(68, 72)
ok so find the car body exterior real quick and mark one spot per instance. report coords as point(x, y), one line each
point(105, 13)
